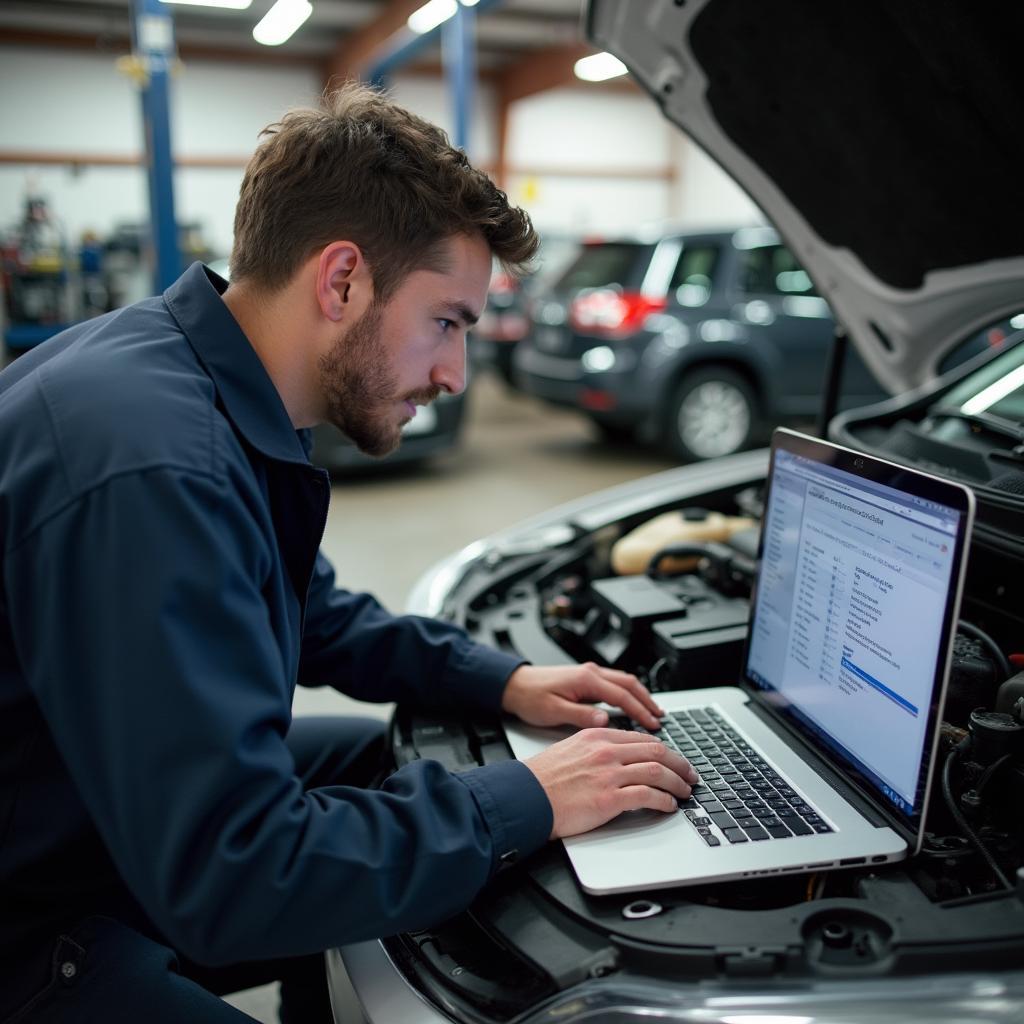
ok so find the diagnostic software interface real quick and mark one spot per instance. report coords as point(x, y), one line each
point(847, 626)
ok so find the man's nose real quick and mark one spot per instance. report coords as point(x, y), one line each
point(449, 372)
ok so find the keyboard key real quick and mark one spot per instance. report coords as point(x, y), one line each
point(723, 820)
point(777, 831)
point(756, 833)
point(798, 828)
point(733, 805)
point(712, 840)
point(821, 828)
point(735, 835)
point(712, 806)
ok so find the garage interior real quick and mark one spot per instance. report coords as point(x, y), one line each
point(586, 159)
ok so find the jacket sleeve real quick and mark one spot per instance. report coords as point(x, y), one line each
point(353, 644)
point(144, 636)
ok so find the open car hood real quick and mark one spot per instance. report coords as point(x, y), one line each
point(881, 139)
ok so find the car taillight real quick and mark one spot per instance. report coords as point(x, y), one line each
point(605, 312)
point(502, 284)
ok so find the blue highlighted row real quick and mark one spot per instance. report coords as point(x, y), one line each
point(881, 687)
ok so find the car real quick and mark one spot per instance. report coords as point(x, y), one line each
point(505, 320)
point(857, 131)
point(695, 340)
point(502, 324)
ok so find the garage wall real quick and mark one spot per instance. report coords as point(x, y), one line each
point(65, 102)
point(582, 160)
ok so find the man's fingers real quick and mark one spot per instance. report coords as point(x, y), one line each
point(655, 775)
point(636, 798)
point(657, 752)
point(618, 696)
point(630, 682)
point(583, 716)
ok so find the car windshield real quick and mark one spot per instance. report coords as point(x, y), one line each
point(606, 263)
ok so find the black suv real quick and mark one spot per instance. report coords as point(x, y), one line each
point(694, 340)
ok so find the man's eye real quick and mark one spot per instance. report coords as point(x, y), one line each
point(446, 325)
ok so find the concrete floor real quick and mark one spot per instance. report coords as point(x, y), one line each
point(517, 458)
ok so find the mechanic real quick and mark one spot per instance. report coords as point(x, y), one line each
point(167, 832)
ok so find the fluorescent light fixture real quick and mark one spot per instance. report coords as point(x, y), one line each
point(281, 21)
point(234, 5)
point(469, 3)
point(599, 67)
point(431, 14)
point(996, 392)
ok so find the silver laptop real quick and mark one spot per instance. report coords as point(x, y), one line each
point(823, 756)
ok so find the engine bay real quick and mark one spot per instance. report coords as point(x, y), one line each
point(664, 593)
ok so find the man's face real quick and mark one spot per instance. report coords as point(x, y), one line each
point(406, 351)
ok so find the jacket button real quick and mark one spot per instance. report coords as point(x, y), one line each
point(68, 969)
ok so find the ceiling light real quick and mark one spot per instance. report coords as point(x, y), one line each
point(599, 67)
point(431, 14)
point(235, 5)
point(469, 3)
point(281, 21)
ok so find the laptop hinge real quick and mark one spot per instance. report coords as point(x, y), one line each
point(750, 962)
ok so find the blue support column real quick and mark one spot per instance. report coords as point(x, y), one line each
point(153, 46)
point(458, 55)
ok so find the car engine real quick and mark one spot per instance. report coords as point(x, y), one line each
point(675, 614)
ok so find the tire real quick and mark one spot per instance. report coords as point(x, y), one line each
point(713, 412)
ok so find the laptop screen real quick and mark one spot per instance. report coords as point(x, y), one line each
point(852, 615)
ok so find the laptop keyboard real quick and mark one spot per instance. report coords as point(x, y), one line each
point(739, 791)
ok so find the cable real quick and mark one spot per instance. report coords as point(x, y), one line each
point(979, 634)
point(962, 823)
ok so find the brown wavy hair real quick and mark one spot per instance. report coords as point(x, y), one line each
point(364, 169)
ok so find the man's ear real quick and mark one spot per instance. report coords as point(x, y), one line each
point(344, 288)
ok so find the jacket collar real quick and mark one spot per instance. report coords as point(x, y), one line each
point(250, 399)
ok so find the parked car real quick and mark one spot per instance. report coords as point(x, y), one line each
point(502, 324)
point(696, 340)
point(505, 320)
point(857, 130)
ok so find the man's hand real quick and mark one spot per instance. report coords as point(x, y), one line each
point(597, 774)
point(556, 696)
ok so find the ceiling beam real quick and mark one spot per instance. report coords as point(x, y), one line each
point(540, 70)
point(356, 51)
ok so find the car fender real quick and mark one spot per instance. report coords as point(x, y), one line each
point(736, 355)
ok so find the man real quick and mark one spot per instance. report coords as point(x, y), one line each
point(163, 594)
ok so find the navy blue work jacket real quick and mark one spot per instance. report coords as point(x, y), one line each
point(163, 593)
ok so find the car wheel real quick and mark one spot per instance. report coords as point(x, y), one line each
point(713, 412)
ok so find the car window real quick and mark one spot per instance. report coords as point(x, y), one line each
point(601, 264)
point(694, 275)
point(773, 270)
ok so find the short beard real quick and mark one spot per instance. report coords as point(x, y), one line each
point(361, 388)
point(356, 381)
